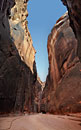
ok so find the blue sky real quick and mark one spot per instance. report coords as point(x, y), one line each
point(43, 14)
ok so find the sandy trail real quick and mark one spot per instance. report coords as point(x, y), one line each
point(40, 122)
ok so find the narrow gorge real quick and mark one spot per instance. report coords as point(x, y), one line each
point(21, 90)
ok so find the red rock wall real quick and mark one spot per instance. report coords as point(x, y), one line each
point(63, 85)
point(74, 11)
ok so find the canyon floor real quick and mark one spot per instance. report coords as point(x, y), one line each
point(41, 122)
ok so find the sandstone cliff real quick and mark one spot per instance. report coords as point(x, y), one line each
point(18, 75)
point(20, 33)
point(62, 92)
point(74, 11)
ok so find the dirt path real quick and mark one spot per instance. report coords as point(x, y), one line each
point(40, 122)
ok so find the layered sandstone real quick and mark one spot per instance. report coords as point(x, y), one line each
point(18, 75)
point(62, 92)
point(20, 33)
point(74, 11)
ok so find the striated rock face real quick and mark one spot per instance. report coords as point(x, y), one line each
point(20, 33)
point(74, 11)
point(63, 85)
point(18, 75)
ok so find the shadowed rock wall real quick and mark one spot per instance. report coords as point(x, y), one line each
point(74, 11)
point(18, 75)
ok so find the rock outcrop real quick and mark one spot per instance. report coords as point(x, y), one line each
point(74, 11)
point(20, 33)
point(62, 92)
point(18, 75)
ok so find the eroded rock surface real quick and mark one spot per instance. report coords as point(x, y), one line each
point(18, 73)
point(63, 85)
point(20, 33)
point(74, 11)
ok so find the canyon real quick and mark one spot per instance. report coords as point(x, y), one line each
point(22, 94)
point(21, 90)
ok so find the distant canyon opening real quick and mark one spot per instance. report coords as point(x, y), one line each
point(41, 20)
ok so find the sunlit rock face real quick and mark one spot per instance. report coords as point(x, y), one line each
point(20, 33)
point(18, 75)
point(74, 11)
point(63, 85)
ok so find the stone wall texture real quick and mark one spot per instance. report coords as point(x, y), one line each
point(18, 75)
point(74, 11)
point(20, 33)
point(62, 92)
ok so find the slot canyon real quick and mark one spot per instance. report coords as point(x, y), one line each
point(24, 99)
